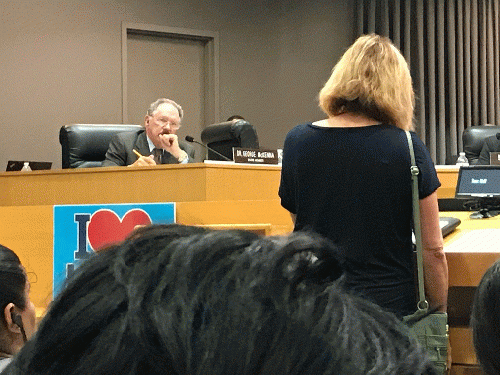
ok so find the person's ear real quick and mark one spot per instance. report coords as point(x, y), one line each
point(12, 318)
point(146, 120)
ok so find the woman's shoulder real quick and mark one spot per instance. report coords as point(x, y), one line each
point(299, 130)
point(396, 131)
point(303, 127)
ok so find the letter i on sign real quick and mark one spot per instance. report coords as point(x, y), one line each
point(81, 253)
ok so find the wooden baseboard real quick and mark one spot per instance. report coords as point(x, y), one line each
point(465, 370)
point(262, 229)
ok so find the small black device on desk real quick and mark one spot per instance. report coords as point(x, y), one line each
point(448, 224)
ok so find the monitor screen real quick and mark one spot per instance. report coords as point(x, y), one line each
point(478, 181)
point(17, 165)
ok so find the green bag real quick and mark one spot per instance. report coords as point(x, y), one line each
point(430, 329)
point(432, 333)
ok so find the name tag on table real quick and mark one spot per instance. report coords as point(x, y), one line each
point(255, 156)
point(495, 158)
point(476, 241)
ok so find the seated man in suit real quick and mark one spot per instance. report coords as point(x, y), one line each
point(156, 144)
point(491, 144)
point(235, 118)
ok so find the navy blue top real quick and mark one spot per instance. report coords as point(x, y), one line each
point(353, 185)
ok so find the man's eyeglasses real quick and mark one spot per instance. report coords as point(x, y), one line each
point(164, 123)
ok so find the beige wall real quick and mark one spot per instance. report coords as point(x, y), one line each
point(60, 62)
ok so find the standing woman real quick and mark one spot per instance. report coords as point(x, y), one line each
point(348, 178)
point(17, 313)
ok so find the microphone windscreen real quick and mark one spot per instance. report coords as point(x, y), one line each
point(189, 138)
point(498, 136)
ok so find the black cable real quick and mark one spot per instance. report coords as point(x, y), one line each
point(16, 318)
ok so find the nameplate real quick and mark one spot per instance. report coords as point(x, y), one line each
point(495, 158)
point(255, 156)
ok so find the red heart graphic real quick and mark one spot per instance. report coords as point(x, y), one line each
point(106, 228)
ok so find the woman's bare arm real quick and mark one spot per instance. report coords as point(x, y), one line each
point(434, 258)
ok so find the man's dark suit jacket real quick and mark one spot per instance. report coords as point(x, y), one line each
point(120, 150)
point(491, 144)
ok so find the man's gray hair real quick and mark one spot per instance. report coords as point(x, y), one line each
point(154, 106)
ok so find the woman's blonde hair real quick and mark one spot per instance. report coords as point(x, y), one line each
point(372, 79)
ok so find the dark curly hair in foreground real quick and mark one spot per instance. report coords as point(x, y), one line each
point(186, 300)
point(485, 320)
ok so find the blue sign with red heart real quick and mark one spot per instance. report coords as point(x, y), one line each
point(80, 230)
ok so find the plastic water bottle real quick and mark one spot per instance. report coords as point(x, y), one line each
point(26, 167)
point(462, 160)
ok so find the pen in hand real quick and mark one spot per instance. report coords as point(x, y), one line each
point(137, 153)
point(143, 161)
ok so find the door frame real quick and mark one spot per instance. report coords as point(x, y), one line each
point(210, 41)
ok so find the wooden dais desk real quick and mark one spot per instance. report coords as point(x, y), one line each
point(448, 176)
point(466, 265)
point(163, 183)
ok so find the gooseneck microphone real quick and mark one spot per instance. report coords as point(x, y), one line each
point(192, 140)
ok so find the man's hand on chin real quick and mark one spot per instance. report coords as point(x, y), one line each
point(170, 143)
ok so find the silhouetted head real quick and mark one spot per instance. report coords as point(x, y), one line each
point(485, 320)
point(17, 321)
point(186, 300)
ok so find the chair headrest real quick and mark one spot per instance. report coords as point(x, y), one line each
point(473, 140)
point(85, 145)
point(238, 130)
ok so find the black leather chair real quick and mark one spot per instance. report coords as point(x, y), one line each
point(85, 145)
point(222, 137)
point(473, 139)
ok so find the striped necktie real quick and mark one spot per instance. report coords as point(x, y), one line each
point(157, 155)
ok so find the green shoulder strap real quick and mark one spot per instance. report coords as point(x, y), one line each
point(422, 303)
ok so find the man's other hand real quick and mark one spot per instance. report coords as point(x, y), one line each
point(144, 161)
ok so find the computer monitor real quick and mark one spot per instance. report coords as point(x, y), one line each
point(17, 165)
point(482, 184)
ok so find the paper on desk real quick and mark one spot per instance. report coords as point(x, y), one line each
point(476, 241)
